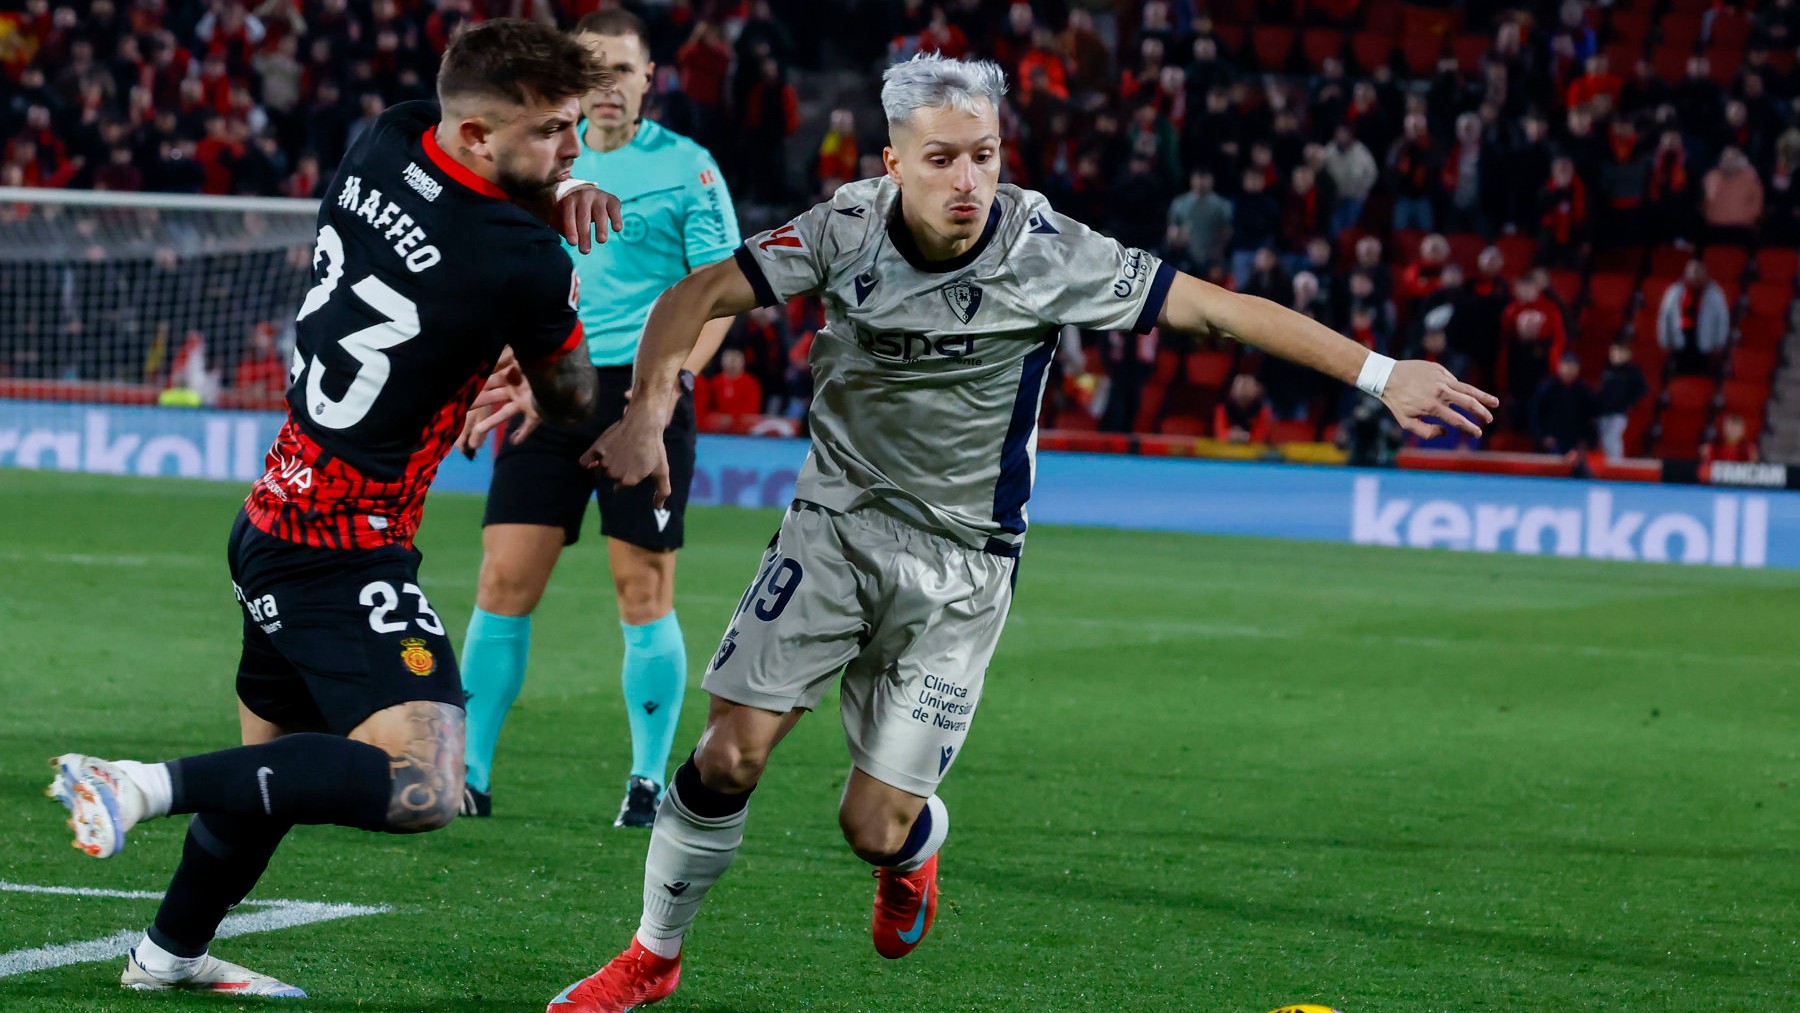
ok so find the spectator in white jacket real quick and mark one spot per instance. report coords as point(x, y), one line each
point(1694, 322)
point(1353, 173)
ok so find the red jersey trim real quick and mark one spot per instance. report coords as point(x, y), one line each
point(576, 337)
point(458, 171)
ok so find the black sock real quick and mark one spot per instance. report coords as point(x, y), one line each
point(308, 778)
point(702, 801)
point(223, 858)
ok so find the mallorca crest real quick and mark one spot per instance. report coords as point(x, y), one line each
point(964, 300)
point(416, 657)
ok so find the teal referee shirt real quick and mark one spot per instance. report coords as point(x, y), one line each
point(678, 217)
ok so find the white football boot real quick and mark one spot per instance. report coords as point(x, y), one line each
point(207, 974)
point(103, 802)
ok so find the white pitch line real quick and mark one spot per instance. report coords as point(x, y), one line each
point(279, 914)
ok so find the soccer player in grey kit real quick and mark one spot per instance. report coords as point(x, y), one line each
point(944, 292)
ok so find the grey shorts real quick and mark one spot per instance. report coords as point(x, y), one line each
point(910, 618)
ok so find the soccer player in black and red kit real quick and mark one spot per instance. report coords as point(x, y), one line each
point(434, 266)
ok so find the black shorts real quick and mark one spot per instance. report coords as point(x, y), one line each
point(333, 635)
point(541, 480)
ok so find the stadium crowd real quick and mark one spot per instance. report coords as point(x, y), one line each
point(1464, 181)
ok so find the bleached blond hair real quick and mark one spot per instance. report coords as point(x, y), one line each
point(934, 81)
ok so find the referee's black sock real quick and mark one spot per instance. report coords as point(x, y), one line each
point(223, 858)
point(307, 778)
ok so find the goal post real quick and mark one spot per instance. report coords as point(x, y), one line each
point(136, 298)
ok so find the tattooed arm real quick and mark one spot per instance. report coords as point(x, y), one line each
point(565, 390)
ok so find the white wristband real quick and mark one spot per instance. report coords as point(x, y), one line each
point(570, 185)
point(1374, 376)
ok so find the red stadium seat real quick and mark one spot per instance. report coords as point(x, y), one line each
point(1372, 49)
point(1771, 298)
point(1726, 263)
point(1465, 247)
point(1669, 261)
point(1758, 331)
point(1150, 406)
point(1602, 323)
point(1670, 63)
point(1168, 362)
point(1566, 284)
point(1405, 247)
point(1622, 55)
point(1321, 44)
point(1231, 40)
point(1208, 369)
point(1611, 290)
point(1689, 393)
point(1681, 433)
point(1470, 50)
point(1076, 420)
point(1679, 29)
point(1384, 17)
point(1520, 253)
point(1653, 288)
point(1272, 44)
point(1730, 30)
point(1777, 263)
point(1422, 53)
point(1620, 259)
point(1745, 397)
point(1298, 431)
point(1751, 363)
point(1185, 425)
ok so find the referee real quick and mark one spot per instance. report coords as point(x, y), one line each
point(678, 218)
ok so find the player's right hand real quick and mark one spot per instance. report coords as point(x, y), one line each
point(632, 450)
point(506, 394)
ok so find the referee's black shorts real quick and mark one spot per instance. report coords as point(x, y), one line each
point(541, 480)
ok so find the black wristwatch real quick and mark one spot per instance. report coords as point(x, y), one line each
point(687, 381)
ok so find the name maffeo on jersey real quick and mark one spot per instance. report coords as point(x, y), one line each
point(394, 225)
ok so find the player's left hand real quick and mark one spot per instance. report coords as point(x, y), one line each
point(632, 450)
point(588, 213)
point(507, 394)
point(1425, 397)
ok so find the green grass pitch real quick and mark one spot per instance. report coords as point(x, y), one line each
point(1208, 774)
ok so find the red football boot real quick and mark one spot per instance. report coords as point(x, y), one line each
point(634, 979)
point(905, 905)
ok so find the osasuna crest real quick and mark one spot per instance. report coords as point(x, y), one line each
point(964, 300)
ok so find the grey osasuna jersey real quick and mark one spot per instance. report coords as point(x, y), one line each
point(928, 376)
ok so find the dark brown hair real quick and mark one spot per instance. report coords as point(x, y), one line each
point(615, 21)
point(517, 60)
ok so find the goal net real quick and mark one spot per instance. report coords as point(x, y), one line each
point(140, 298)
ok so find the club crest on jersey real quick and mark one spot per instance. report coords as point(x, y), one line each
point(964, 300)
point(786, 237)
point(416, 657)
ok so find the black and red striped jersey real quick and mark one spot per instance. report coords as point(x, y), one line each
point(423, 272)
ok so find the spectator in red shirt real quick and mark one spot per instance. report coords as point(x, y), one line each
point(218, 153)
point(705, 62)
point(262, 371)
point(1532, 329)
point(1598, 89)
point(771, 115)
point(940, 35)
point(1043, 56)
point(1731, 444)
point(1422, 277)
point(732, 391)
point(1244, 415)
point(1090, 60)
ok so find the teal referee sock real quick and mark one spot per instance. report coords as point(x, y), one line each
point(654, 678)
point(493, 669)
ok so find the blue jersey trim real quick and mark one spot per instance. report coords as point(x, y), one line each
point(1014, 485)
point(1153, 302)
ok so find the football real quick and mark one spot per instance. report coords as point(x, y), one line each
point(1306, 1008)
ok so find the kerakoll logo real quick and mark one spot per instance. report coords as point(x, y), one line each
point(226, 448)
point(1735, 534)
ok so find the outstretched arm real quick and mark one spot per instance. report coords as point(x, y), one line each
point(1416, 391)
point(632, 449)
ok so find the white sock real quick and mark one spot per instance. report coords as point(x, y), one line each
point(155, 792)
point(163, 964)
point(687, 856)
